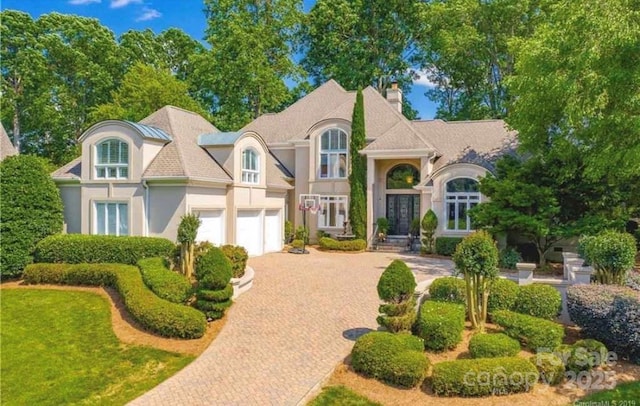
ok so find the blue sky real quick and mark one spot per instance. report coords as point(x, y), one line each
point(158, 15)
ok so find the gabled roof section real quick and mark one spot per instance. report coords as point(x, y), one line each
point(6, 147)
point(150, 132)
point(219, 139)
point(70, 171)
point(183, 157)
point(478, 142)
point(276, 173)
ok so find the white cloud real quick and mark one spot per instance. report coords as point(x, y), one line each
point(83, 2)
point(123, 3)
point(149, 14)
point(421, 78)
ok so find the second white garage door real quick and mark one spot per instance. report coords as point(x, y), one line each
point(272, 231)
point(211, 227)
point(249, 231)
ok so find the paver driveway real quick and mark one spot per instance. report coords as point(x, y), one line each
point(288, 332)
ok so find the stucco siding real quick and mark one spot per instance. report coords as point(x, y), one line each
point(113, 192)
point(166, 205)
point(71, 204)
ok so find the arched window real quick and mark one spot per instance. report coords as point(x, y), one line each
point(250, 166)
point(403, 176)
point(461, 195)
point(333, 154)
point(112, 160)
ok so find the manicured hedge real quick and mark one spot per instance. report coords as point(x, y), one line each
point(493, 346)
point(327, 243)
point(502, 295)
point(607, 313)
point(483, 377)
point(396, 283)
point(154, 314)
point(440, 325)
point(162, 281)
point(213, 272)
point(393, 358)
point(448, 289)
point(538, 300)
point(238, 256)
point(447, 245)
point(94, 249)
point(550, 367)
point(583, 355)
point(534, 333)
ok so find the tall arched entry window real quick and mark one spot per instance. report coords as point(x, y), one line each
point(461, 195)
point(402, 205)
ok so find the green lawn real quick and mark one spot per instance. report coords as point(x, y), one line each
point(629, 391)
point(340, 396)
point(58, 347)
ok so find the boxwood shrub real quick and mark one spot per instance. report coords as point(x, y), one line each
point(447, 245)
point(448, 289)
point(162, 281)
point(583, 355)
point(238, 256)
point(493, 346)
point(92, 249)
point(550, 367)
point(608, 313)
point(534, 333)
point(327, 243)
point(154, 314)
point(440, 325)
point(538, 300)
point(483, 377)
point(502, 295)
point(213, 272)
point(397, 359)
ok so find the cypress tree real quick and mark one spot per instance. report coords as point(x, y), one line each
point(358, 175)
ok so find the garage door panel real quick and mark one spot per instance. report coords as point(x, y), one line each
point(211, 227)
point(249, 231)
point(273, 231)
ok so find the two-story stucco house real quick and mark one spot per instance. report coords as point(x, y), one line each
point(140, 178)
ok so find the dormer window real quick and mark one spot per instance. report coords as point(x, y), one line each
point(333, 154)
point(112, 160)
point(250, 166)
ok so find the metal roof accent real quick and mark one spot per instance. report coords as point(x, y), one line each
point(151, 132)
point(221, 138)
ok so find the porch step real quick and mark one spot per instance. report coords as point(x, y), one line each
point(389, 248)
point(392, 245)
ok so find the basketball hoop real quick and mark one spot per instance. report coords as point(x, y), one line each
point(307, 203)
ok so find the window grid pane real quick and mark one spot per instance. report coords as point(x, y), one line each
point(333, 211)
point(462, 194)
point(333, 154)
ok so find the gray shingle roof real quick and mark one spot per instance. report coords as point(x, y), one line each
point(72, 170)
point(6, 147)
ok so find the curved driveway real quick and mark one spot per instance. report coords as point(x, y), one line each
point(287, 333)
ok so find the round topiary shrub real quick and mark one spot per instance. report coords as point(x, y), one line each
point(550, 367)
point(493, 346)
point(583, 355)
point(503, 295)
point(407, 369)
point(396, 283)
point(538, 300)
point(238, 256)
point(31, 210)
point(448, 289)
point(213, 270)
point(440, 325)
point(611, 253)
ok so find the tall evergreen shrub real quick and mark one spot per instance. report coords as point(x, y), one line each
point(358, 175)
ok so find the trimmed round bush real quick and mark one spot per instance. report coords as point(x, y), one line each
point(612, 254)
point(448, 289)
point(297, 244)
point(550, 367)
point(216, 295)
point(483, 377)
point(238, 256)
point(374, 355)
point(407, 369)
point(493, 346)
point(538, 300)
point(583, 355)
point(440, 325)
point(154, 314)
point(539, 335)
point(447, 245)
point(95, 249)
point(165, 283)
point(213, 270)
point(502, 295)
point(31, 210)
point(397, 283)
point(327, 243)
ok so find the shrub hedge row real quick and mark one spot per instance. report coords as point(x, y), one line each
point(493, 346)
point(440, 325)
point(238, 256)
point(448, 289)
point(327, 243)
point(483, 377)
point(503, 295)
point(533, 332)
point(607, 313)
point(93, 249)
point(538, 300)
point(162, 281)
point(447, 245)
point(397, 359)
point(154, 314)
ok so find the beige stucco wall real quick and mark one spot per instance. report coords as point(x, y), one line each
point(70, 195)
point(115, 191)
point(166, 205)
point(286, 156)
point(249, 141)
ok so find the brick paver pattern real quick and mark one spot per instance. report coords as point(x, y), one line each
point(288, 332)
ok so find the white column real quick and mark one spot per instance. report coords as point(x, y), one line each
point(371, 176)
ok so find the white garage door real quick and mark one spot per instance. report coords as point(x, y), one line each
point(249, 231)
point(211, 227)
point(272, 231)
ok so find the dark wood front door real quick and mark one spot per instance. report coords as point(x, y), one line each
point(401, 210)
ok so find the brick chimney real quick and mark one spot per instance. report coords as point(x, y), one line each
point(394, 96)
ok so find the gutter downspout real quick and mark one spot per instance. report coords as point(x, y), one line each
point(145, 230)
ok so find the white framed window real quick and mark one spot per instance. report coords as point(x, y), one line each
point(333, 154)
point(112, 160)
point(334, 211)
point(111, 218)
point(250, 166)
point(460, 196)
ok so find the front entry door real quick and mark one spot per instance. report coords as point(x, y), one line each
point(401, 210)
